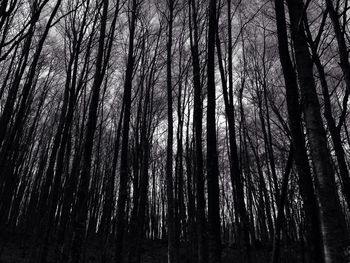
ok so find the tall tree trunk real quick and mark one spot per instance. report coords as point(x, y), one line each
point(235, 169)
point(197, 119)
point(334, 230)
point(334, 129)
point(172, 249)
point(214, 228)
point(124, 161)
point(80, 218)
point(191, 201)
point(313, 228)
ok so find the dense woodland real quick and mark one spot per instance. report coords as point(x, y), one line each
point(201, 131)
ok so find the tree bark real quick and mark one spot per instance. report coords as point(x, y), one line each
point(313, 227)
point(333, 226)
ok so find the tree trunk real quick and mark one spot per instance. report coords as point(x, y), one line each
point(197, 119)
point(80, 218)
point(124, 161)
point(334, 231)
point(235, 171)
point(280, 210)
point(334, 129)
point(172, 249)
point(313, 228)
point(214, 231)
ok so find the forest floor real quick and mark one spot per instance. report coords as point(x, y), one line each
point(17, 251)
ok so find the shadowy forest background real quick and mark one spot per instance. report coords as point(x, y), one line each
point(174, 131)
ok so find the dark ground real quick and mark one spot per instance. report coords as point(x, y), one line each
point(17, 249)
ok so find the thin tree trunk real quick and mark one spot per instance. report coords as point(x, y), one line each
point(280, 210)
point(172, 248)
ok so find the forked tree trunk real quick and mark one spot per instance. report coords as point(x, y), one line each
point(313, 230)
point(334, 230)
point(334, 129)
